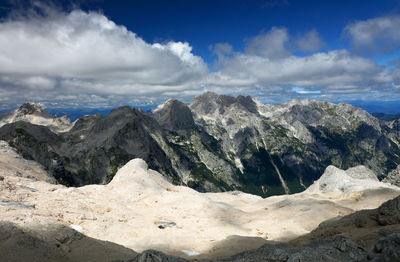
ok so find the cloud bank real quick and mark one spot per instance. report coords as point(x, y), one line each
point(269, 68)
point(85, 53)
point(83, 58)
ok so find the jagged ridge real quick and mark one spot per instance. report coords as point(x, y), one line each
point(217, 143)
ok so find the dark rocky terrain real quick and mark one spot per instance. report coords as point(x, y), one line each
point(332, 249)
point(54, 242)
point(363, 227)
point(216, 143)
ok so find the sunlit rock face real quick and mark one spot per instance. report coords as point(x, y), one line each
point(35, 114)
point(216, 143)
point(140, 209)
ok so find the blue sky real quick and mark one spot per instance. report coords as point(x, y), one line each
point(204, 23)
point(107, 53)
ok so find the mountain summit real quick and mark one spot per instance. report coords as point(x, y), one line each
point(34, 113)
point(33, 109)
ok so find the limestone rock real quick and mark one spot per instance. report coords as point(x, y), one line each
point(140, 209)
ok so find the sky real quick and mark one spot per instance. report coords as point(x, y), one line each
point(100, 53)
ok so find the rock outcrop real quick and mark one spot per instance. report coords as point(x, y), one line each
point(393, 177)
point(13, 164)
point(386, 249)
point(334, 249)
point(364, 227)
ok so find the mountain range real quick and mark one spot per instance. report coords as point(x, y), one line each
point(216, 143)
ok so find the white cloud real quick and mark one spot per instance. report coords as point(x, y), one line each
point(328, 71)
point(376, 34)
point(310, 41)
point(90, 50)
point(270, 45)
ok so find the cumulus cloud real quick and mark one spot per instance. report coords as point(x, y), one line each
point(376, 34)
point(331, 72)
point(270, 44)
point(87, 52)
point(310, 41)
point(267, 69)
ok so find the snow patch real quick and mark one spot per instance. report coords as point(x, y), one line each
point(161, 106)
point(239, 164)
point(190, 252)
point(76, 227)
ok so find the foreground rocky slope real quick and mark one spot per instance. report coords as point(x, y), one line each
point(363, 227)
point(59, 243)
point(375, 234)
point(333, 249)
point(46, 242)
point(141, 210)
point(216, 143)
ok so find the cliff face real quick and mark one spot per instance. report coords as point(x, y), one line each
point(94, 149)
point(216, 143)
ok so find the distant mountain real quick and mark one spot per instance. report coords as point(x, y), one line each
point(387, 107)
point(386, 117)
point(35, 114)
point(216, 143)
point(75, 113)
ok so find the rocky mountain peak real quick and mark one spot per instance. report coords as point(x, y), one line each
point(175, 116)
point(205, 103)
point(120, 110)
point(210, 102)
point(208, 95)
point(33, 109)
point(248, 103)
point(34, 113)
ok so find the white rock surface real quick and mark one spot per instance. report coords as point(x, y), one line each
point(345, 182)
point(12, 164)
point(141, 210)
